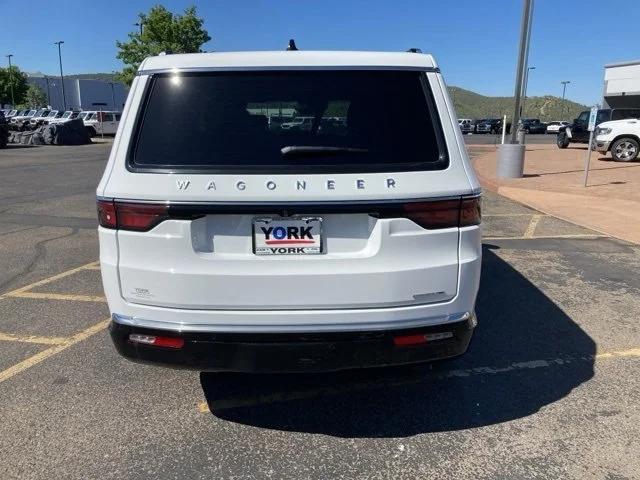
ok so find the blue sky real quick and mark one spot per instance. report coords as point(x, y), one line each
point(475, 41)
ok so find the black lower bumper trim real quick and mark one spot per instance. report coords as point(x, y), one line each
point(292, 352)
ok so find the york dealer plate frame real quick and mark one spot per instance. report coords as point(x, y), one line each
point(289, 246)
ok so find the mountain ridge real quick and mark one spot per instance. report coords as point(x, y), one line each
point(547, 108)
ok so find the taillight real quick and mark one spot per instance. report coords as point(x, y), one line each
point(438, 214)
point(470, 212)
point(443, 213)
point(107, 214)
point(138, 217)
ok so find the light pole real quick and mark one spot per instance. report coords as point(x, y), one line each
point(64, 97)
point(46, 79)
point(564, 90)
point(526, 85)
point(139, 24)
point(13, 101)
point(525, 29)
point(113, 97)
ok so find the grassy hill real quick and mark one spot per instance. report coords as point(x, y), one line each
point(473, 105)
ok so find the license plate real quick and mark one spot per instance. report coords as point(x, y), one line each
point(287, 236)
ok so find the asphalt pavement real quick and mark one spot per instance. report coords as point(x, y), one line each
point(548, 389)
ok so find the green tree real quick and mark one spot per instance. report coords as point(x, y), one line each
point(162, 31)
point(19, 82)
point(35, 97)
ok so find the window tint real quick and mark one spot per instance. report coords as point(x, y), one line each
point(622, 113)
point(583, 117)
point(244, 121)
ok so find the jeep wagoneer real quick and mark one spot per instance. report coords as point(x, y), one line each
point(229, 242)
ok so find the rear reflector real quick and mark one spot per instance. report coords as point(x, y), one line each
point(166, 342)
point(420, 338)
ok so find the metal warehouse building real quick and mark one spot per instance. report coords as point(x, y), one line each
point(622, 85)
point(82, 94)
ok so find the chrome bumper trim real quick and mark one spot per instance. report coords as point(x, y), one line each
point(257, 328)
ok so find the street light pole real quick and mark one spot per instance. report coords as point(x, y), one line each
point(525, 28)
point(64, 97)
point(46, 79)
point(13, 100)
point(564, 89)
point(526, 85)
point(113, 97)
point(139, 24)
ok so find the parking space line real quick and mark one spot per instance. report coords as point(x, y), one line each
point(512, 215)
point(47, 280)
point(93, 267)
point(9, 337)
point(276, 397)
point(49, 352)
point(531, 228)
point(539, 237)
point(58, 296)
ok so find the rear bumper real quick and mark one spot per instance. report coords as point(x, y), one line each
point(293, 352)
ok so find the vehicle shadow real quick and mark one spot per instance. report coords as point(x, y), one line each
point(526, 353)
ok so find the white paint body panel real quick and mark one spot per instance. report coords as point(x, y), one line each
point(377, 273)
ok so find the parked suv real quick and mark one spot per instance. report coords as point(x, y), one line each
point(4, 131)
point(98, 123)
point(229, 246)
point(578, 131)
point(533, 125)
point(620, 137)
point(466, 125)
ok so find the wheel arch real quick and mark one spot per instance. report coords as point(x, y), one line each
point(624, 135)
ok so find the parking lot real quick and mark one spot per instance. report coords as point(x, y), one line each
point(548, 389)
point(492, 139)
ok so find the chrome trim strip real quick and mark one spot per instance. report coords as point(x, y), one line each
point(261, 328)
point(263, 68)
point(473, 194)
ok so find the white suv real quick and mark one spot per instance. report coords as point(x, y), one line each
point(620, 137)
point(229, 246)
point(101, 123)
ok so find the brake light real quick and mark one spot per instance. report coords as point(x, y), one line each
point(444, 213)
point(138, 217)
point(470, 212)
point(107, 214)
point(438, 214)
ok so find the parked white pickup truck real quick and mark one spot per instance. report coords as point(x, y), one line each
point(620, 137)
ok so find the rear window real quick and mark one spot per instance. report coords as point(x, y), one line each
point(288, 122)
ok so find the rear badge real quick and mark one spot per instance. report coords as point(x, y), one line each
point(287, 236)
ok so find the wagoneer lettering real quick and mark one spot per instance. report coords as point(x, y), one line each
point(310, 211)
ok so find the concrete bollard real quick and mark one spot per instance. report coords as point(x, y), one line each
point(510, 160)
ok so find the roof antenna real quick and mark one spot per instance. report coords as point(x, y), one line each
point(292, 46)
point(414, 50)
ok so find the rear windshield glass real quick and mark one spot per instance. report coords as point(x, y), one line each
point(289, 122)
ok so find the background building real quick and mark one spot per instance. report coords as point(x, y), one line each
point(622, 85)
point(82, 93)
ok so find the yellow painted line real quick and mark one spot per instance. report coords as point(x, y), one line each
point(632, 352)
point(49, 279)
point(51, 351)
point(583, 235)
point(531, 229)
point(58, 296)
point(9, 337)
point(276, 397)
point(513, 214)
point(93, 267)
